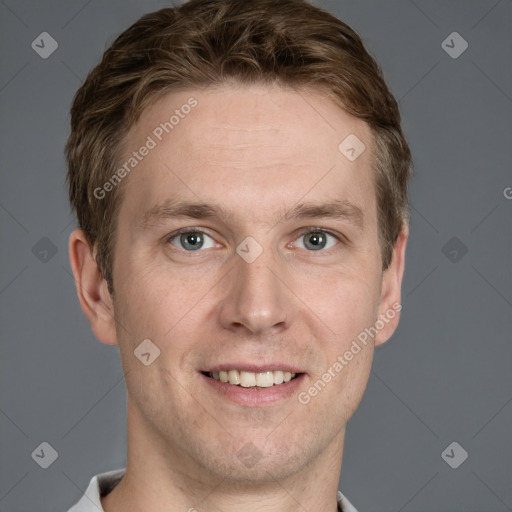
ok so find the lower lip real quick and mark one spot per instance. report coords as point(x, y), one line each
point(256, 396)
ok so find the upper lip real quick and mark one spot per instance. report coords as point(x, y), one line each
point(255, 368)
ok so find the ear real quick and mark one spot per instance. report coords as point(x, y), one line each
point(92, 289)
point(390, 306)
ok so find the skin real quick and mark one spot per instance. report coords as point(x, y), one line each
point(257, 151)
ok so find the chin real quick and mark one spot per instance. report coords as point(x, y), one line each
point(252, 465)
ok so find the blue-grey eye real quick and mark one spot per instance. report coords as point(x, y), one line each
point(191, 241)
point(316, 240)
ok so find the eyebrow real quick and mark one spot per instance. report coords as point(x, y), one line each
point(340, 209)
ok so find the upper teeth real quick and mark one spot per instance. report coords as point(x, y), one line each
point(249, 379)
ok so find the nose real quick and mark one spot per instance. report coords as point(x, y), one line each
point(257, 299)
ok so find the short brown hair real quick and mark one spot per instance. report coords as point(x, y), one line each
point(206, 43)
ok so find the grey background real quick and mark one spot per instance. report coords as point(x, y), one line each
point(445, 375)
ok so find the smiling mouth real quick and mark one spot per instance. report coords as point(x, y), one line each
point(253, 380)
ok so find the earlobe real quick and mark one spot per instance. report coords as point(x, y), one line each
point(91, 288)
point(390, 305)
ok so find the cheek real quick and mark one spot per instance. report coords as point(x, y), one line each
point(347, 305)
point(155, 309)
point(161, 305)
point(346, 301)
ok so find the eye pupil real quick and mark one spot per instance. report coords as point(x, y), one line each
point(317, 240)
point(192, 241)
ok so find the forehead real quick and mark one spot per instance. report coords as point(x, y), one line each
point(249, 147)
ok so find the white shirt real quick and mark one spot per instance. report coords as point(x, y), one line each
point(100, 485)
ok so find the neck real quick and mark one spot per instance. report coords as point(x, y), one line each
point(163, 477)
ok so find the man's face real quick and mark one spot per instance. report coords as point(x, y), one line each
point(256, 152)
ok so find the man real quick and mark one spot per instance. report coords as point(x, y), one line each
point(239, 174)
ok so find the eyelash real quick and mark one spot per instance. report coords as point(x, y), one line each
point(339, 238)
